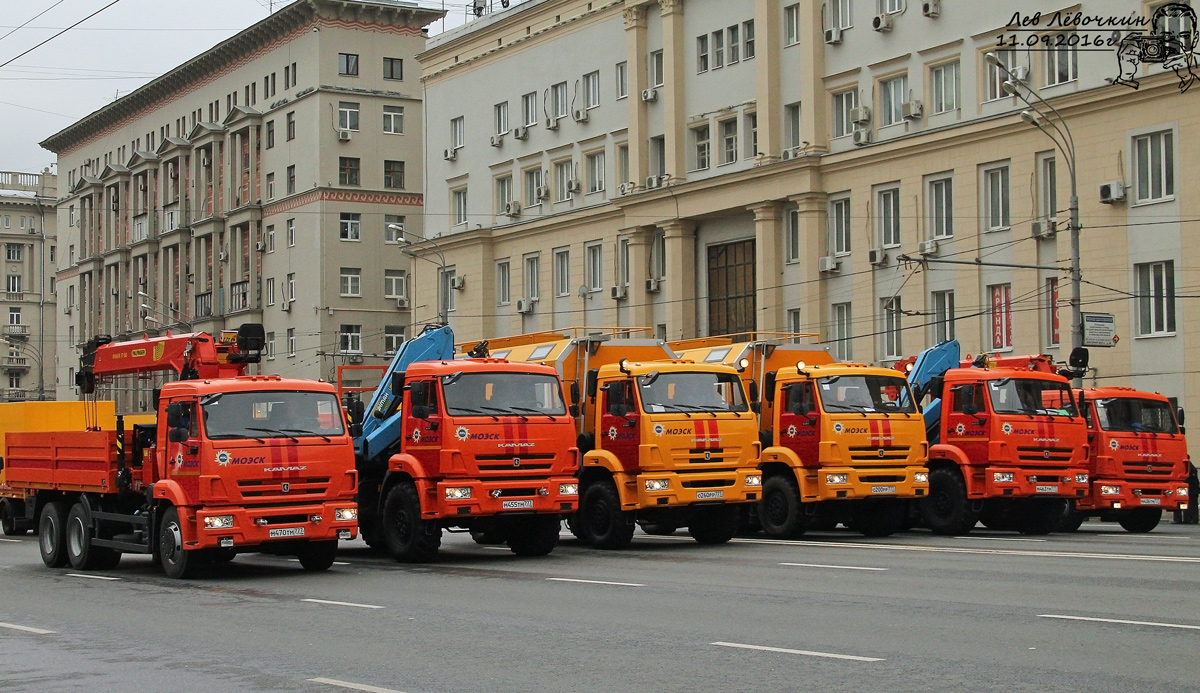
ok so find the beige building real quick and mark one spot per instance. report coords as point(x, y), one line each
point(853, 168)
point(27, 233)
point(267, 180)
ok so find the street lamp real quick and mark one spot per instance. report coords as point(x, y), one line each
point(37, 358)
point(441, 263)
point(146, 309)
point(1060, 135)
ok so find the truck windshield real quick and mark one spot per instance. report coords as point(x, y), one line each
point(503, 394)
point(1030, 396)
point(691, 392)
point(877, 394)
point(1135, 415)
point(271, 414)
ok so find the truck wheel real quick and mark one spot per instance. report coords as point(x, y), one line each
point(177, 562)
point(881, 519)
point(1140, 520)
point(1071, 520)
point(219, 556)
point(318, 555)
point(604, 525)
point(659, 529)
point(823, 523)
point(408, 538)
point(52, 534)
point(780, 511)
point(534, 536)
point(494, 534)
point(8, 519)
point(1041, 516)
point(80, 552)
point(575, 525)
point(947, 510)
point(714, 524)
point(997, 515)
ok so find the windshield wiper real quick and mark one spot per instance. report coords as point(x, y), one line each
point(671, 407)
point(504, 411)
point(230, 436)
point(845, 407)
point(464, 410)
point(535, 411)
point(303, 432)
point(276, 432)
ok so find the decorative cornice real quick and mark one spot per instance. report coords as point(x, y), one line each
point(670, 7)
point(349, 196)
point(635, 17)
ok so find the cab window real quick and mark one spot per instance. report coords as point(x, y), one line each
point(968, 395)
point(800, 399)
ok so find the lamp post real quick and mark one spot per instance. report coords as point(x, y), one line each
point(441, 263)
point(164, 308)
point(1065, 143)
point(37, 358)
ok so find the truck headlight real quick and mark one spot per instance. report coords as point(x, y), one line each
point(658, 484)
point(1081, 478)
point(344, 514)
point(1181, 492)
point(1110, 490)
point(754, 479)
point(1002, 477)
point(458, 492)
point(837, 478)
point(218, 522)
point(921, 477)
point(568, 489)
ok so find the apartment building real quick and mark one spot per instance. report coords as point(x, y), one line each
point(269, 179)
point(853, 169)
point(27, 233)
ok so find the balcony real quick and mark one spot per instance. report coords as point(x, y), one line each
point(14, 296)
point(14, 395)
point(239, 296)
point(141, 228)
point(16, 363)
point(16, 331)
point(204, 305)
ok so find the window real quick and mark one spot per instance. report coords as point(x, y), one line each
point(793, 323)
point(14, 316)
point(842, 17)
point(290, 125)
point(13, 252)
point(395, 283)
point(562, 273)
point(1061, 59)
point(892, 6)
point(1048, 181)
point(500, 117)
point(591, 89)
point(348, 173)
point(532, 277)
point(393, 68)
point(564, 178)
point(748, 39)
point(656, 69)
point(622, 80)
point(350, 226)
point(503, 279)
point(291, 286)
point(839, 225)
point(350, 338)
point(270, 346)
point(996, 198)
point(291, 179)
point(941, 208)
point(533, 181)
point(270, 233)
point(729, 138)
point(390, 234)
point(595, 171)
point(658, 255)
point(14, 380)
point(623, 262)
point(270, 186)
point(529, 109)
point(752, 128)
point(559, 100)
point(14, 284)
point(504, 194)
point(270, 134)
point(347, 115)
point(718, 48)
point(458, 132)
point(350, 281)
point(892, 315)
point(393, 174)
point(892, 95)
point(945, 87)
point(449, 296)
point(791, 25)
point(843, 103)
point(843, 348)
point(791, 118)
point(393, 120)
point(791, 239)
point(348, 64)
point(291, 341)
point(1156, 298)
point(735, 45)
point(996, 77)
point(270, 291)
point(623, 162)
point(658, 155)
point(700, 136)
point(889, 217)
point(393, 338)
point(702, 53)
point(291, 233)
point(1154, 166)
point(595, 266)
point(1052, 335)
point(459, 200)
point(943, 316)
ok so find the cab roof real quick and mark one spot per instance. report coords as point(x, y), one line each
point(832, 369)
point(1118, 391)
point(245, 383)
point(613, 370)
point(999, 373)
point(489, 365)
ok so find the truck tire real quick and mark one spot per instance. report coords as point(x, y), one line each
point(659, 529)
point(1071, 520)
point(997, 515)
point(603, 523)
point(52, 526)
point(575, 525)
point(1041, 516)
point(947, 510)
point(1140, 520)
point(882, 518)
point(779, 511)
point(177, 562)
point(534, 536)
point(715, 524)
point(80, 552)
point(8, 519)
point(318, 555)
point(408, 538)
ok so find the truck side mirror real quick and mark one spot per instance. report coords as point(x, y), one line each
point(593, 381)
point(358, 408)
point(355, 430)
point(420, 411)
point(177, 435)
point(1078, 359)
point(1179, 416)
point(756, 407)
point(175, 417)
point(753, 391)
point(769, 386)
point(397, 383)
point(970, 409)
point(574, 411)
point(574, 392)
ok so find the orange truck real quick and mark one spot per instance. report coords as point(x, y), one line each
point(233, 463)
point(666, 442)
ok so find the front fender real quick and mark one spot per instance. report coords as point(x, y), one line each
point(170, 491)
point(603, 459)
point(406, 464)
point(780, 454)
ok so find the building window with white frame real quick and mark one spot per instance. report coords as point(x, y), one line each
point(996, 76)
point(564, 178)
point(270, 234)
point(943, 316)
point(792, 236)
point(889, 217)
point(658, 255)
point(348, 115)
point(791, 25)
point(500, 117)
point(623, 262)
point(748, 39)
point(944, 87)
point(995, 198)
point(350, 282)
point(395, 283)
point(735, 44)
point(291, 286)
point(793, 324)
point(270, 186)
point(532, 277)
point(702, 53)
point(941, 208)
point(1061, 59)
point(591, 89)
point(844, 103)
point(1001, 315)
point(393, 175)
point(458, 132)
point(14, 252)
point(700, 142)
point(839, 226)
point(291, 341)
point(729, 141)
point(791, 120)
point(393, 227)
point(595, 266)
point(1156, 298)
point(504, 194)
point(459, 206)
point(843, 347)
point(623, 162)
point(270, 291)
point(718, 49)
point(449, 296)
point(1154, 167)
point(1048, 187)
point(393, 338)
point(893, 93)
point(350, 226)
point(533, 184)
point(559, 100)
point(622, 80)
point(562, 272)
point(291, 179)
point(529, 115)
point(270, 346)
point(503, 283)
point(350, 339)
point(842, 17)
point(752, 135)
point(892, 329)
point(892, 6)
point(595, 171)
point(657, 71)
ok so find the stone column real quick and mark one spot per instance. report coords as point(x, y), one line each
point(635, 71)
point(674, 115)
point(766, 76)
point(640, 312)
point(813, 110)
point(680, 284)
point(768, 260)
point(813, 221)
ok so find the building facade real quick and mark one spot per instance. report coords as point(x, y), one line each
point(268, 180)
point(27, 233)
point(853, 169)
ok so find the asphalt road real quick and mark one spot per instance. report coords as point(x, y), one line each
point(1100, 610)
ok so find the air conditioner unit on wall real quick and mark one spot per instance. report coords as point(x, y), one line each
point(912, 110)
point(552, 123)
point(927, 248)
point(833, 36)
point(876, 256)
point(862, 136)
point(450, 154)
point(653, 286)
point(827, 263)
point(882, 22)
point(524, 306)
point(542, 192)
point(344, 135)
point(580, 115)
point(931, 8)
point(496, 140)
point(520, 132)
point(860, 115)
point(650, 95)
point(458, 283)
point(574, 186)
point(285, 305)
point(652, 182)
point(619, 293)
point(1112, 192)
point(402, 303)
point(1044, 228)
point(512, 209)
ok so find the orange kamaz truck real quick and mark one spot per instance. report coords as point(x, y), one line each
point(233, 463)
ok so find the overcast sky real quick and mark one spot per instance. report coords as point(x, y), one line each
point(111, 54)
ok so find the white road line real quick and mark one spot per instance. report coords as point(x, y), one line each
point(92, 577)
point(838, 567)
point(26, 629)
point(11, 541)
point(999, 539)
point(806, 653)
point(1119, 620)
point(1139, 537)
point(496, 548)
point(357, 606)
point(354, 686)
point(297, 560)
point(598, 582)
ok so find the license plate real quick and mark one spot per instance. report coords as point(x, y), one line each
point(883, 489)
point(709, 495)
point(1151, 501)
point(517, 505)
point(1047, 488)
point(286, 532)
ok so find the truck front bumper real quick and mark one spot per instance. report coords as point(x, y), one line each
point(1122, 494)
point(844, 483)
point(665, 489)
point(482, 498)
point(1015, 482)
point(255, 526)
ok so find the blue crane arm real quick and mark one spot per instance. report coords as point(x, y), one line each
point(931, 363)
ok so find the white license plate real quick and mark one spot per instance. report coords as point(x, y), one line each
point(286, 532)
point(1046, 488)
point(1151, 501)
point(883, 489)
point(517, 505)
point(709, 495)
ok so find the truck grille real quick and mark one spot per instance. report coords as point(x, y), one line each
point(1148, 468)
point(881, 478)
point(510, 492)
point(715, 455)
point(879, 453)
point(1036, 454)
point(708, 483)
point(297, 488)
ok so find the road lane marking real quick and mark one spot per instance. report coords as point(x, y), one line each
point(357, 606)
point(1119, 620)
point(1139, 537)
point(26, 629)
point(297, 560)
point(92, 577)
point(806, 653)
point(354, 686)
point(998, 539)
point(11, 541)
point(495, 548)
point(838, 567)
point(598, 582)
